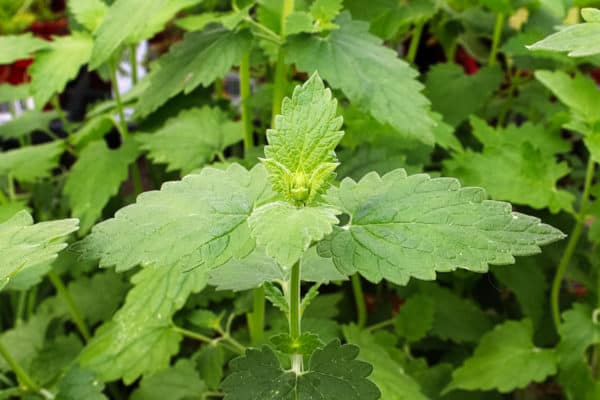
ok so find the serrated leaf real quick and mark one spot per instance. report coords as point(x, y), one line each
point(24, 341)
point(96, 177)
point(178, 382)
point(89, 13)
point(184, 68)
point(517, 164)
point(142, 328)
point(18, 47)
point(369, 74)
point(364, 159)
point(412, 226)
point(30, 163)
point(80, 384)
point(93, 129)
point(131, 21)
point(298, 22)
point(246, 273)
point(578, 332)
point(415, 318)
point(53, 358)
point(315, 268)
point(300, 155)
point(26, 123)
point(287, 231)
point(191, 139)
point(212, 207)
point(505, 359)
point(332, 373)
point(389, 376)
point(209, 362)
point(324, 11)
point(24, 244)
point(57, 64)
point(447, 82)
point(579, 40)
point(304, 344)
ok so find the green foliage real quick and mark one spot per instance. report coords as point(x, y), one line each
point(79, 383)
point(17, 47)
point(178, 383)
point(415, 318)
point(30, 163)
point(26, 123)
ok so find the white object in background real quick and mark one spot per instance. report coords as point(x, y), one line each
point(124, 77)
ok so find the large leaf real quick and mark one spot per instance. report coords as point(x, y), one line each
point(412, 226)
point(24, 244)
point(56, 65)
point(191, 139)
point(96, 177)
point(517, 164)
point(370, 75)
point(17, 47)
point(198, 221)
point(505, 359)
point(185, 67)
point(333, 373)
point(32, 162)
point(140, 339)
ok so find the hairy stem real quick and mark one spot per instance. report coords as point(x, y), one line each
point(24, 378)
point(414, 41)
point(245, 102)
point(359, 299)
point(73, 309)
point(571, 245)
point(496, 38)
point(256, 319)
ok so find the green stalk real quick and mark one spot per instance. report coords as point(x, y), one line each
point(496, 39)
point(294, 316)
point(281, 69)
point(245, 100)
point(414, 41)
point(256, 318)
point(25, 380)
point(20, 307)
point(381, 325)
point(61, 115)
point(572, 244)
point(66, 296)
point(359, 299)
point(133, 63)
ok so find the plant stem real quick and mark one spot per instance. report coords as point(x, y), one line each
point(24, 379)
point(381, 325)
point(281, 69)
point(295, 314)
point(66, 296)
point(359, 299)
point(193, 335)
point(133, 63)
point(256, 318)
point(61, 115)
point(572, 244)
point(20, 307)
point(226, 340)
point(414, 41)
point(245, 102)
point(496, 39)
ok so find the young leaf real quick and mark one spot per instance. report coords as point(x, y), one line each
point(305, 344)
point(300, 155)
point(505, 359)
point(412, 226)
point(18, 47)
point(160, 224)
point(178, 382)
point(79, 384)
point(184, 68)
point(26, 123)
point(389, 376)
point(24, 244)
point(89, 13)
point(333, 373)
point(369, 74)
point(191, 139)
point(30, 163)
point(517, 164)
point(96, 177)
point(287, 231)
point(57, 64)
point(142, 328)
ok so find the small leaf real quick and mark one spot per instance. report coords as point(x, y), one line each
point(304, 344)
point(274, 294)
point(505, 359)
point(415, 318)
point(209, 362)
point(27, 164)
point(179, 382)
point(89, 13)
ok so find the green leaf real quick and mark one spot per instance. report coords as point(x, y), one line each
point(368, 73)
point(298, 22)
point(93, 129)
point(209, 362)
point(505, 359)
point(191, 139)
point(18, 47)
point(10, 92)
point(415, 318)
point(24, 341)
point(300, 154)
point(412, 226)
point(579, 331)
point(80, 384)
point(160, 224)
point(96, 177)
point(315, 268)
point(131, 21)
point(333, 373)
point(53, 358)
point(246, 273)
point(184, 68)
point(304, 344)
point(389, 376)
point(57, 64)
point(517, 164)
point(140, 338)
point(447, 82)
point(26, 123)
point(89, 13)
point(179, 382)
point(324, 11)
point(24, 244)
point(287, 231)
point(579, 40)
point(30, 163)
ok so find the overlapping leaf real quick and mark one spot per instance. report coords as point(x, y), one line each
point(179, 382)
point(32, 162)
point(17, 47)
point(28, 122)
